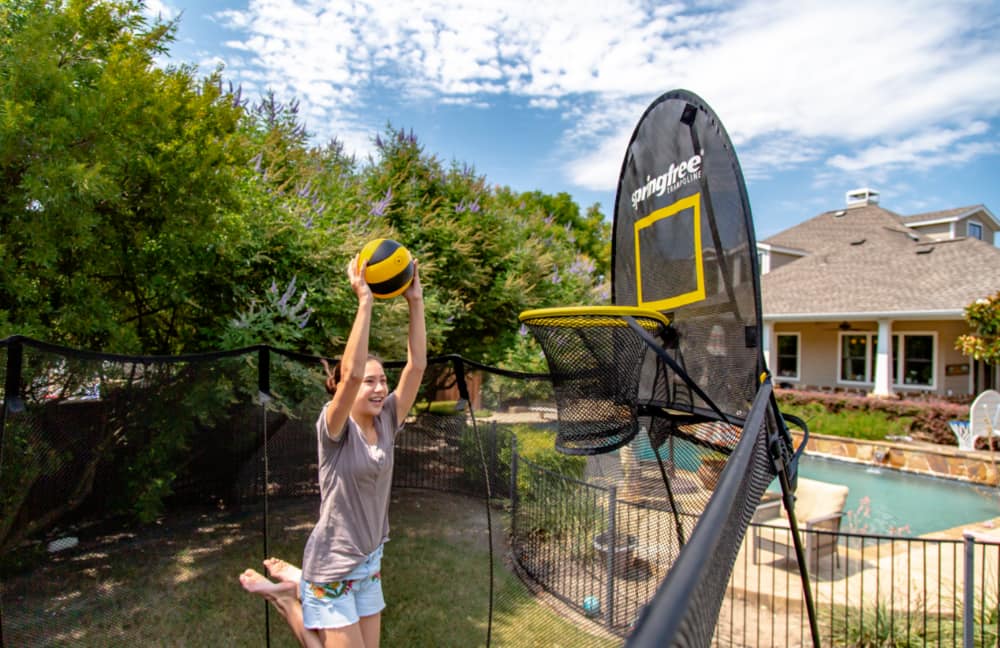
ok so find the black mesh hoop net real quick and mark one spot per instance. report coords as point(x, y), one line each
point(595, 361)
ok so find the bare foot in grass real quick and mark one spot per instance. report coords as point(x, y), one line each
point(252, 581)
point(283, 571)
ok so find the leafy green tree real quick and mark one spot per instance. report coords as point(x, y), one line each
point(120, 181)
point(304, 215)
point(121, 193)
point(488, 253)
point(589, 234)
point(983, 317)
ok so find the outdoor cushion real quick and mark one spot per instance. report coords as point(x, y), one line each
point(818, 506)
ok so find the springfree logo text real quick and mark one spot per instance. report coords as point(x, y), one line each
point(675, 177)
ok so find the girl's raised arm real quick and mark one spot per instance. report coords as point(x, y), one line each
point(416, 349)
point(352, 363)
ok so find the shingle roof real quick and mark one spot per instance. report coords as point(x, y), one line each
point(836, 228)
point(946, 214)
point(865, 259)
point(952, 214)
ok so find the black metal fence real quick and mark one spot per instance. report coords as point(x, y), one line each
point(597, 553)
point(874, 591)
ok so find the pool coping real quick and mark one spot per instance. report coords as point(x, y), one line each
point(980, 467)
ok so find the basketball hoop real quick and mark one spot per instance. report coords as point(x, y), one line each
point(595, 360)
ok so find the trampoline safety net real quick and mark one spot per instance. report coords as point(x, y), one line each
point(135, 490)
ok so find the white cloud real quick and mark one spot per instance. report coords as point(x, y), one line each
point(158, 10)
point(921, 151)
point(794, 78)
point(546, 103)
point(767, 155)
point(791, 79)
point(592, 171)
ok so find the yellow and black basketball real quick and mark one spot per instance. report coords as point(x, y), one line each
point(390, 267)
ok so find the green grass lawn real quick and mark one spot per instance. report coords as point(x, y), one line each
point(177, 586)
point(445, 602)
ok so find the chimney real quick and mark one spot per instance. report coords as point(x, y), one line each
point(861, 197)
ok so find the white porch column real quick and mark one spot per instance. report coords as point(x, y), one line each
point(768, 333)
point(883, 360)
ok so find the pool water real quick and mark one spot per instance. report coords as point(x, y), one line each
point(901, 503)
point(881, 501)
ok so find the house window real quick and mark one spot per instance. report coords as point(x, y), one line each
point(974, 230)
point(788, 355)
point(914, 365)
point(857, 357)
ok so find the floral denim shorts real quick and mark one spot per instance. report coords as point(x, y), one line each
point(343, 603)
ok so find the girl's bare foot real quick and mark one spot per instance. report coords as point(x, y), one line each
point(283, 596)
point(283, 571)
point(254, 582)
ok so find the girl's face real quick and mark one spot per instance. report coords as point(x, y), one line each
point(374, 389)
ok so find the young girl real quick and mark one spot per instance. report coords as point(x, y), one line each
point(340, 600)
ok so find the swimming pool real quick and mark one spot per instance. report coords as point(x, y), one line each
point(881, 501)
point(901, 503)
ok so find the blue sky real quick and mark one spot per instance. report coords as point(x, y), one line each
point(818, 97)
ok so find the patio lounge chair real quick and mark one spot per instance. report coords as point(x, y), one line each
point(819, 506)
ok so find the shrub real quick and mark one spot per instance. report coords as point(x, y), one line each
point(882, 626)
point(873, 418)
point(538, 446)
point(552, 496)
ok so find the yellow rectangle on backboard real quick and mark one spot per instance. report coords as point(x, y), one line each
point(697, 291)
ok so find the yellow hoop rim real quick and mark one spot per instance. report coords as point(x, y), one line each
point(597, 311)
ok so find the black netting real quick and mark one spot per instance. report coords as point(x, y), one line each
point(110, 469)
point(609, 538)
point(684, 246)
point(595, 361)
point(685, 610)
point(134, 490)
point(638, 507)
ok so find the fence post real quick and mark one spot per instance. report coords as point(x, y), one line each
point(12, 401)
point(513, 489)
point(493, 459)
point(609, 595)
point(968, 609)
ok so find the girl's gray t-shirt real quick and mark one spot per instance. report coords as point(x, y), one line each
point(354, 483)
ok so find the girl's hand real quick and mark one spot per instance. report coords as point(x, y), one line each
point(415, 290)
point(357, 276)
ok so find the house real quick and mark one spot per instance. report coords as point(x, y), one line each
point(864, 299)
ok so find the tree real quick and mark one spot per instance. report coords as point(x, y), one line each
point(121, 190)
point(487, 253)
point(119, 181)
point(145, 211)
point(983, 317)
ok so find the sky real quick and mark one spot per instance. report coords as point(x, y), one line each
point(819, 98)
